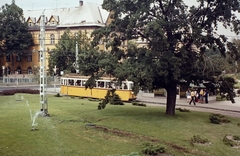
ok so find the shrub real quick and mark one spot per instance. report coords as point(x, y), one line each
point(235, 137)
point(138, 104)
point(57, 95)
point(93, 99)
point(116, 100)
point(112, 98)
point(218, 118)
point(151, 149)
point(229, 141)
point(183, 109)
point(238, 91)
point(14, 91)
point(198, 139)
point(131, 154)
point(220, 98)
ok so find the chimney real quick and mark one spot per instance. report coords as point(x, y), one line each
point(80, 3)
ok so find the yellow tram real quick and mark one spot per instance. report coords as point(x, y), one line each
point(75, 86)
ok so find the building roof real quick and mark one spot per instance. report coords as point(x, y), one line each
point(86, 14)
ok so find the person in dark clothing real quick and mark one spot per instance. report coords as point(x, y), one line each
point(206, 96)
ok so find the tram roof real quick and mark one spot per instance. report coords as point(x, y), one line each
point(87, 77)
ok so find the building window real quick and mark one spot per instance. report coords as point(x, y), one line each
point(30, 24)
point(19, 70)
point(18, 58)
point(8, 58)
point(39, 56)
point(29, 70)
point(53, 22)
point(52, 39)
point(29, 57)
point(8, 70)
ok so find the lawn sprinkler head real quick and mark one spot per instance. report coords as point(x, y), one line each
point(33, 129)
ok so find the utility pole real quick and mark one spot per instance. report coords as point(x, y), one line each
point(76, 55)
point(43, 80)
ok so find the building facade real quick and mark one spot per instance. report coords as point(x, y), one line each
point(86, 17)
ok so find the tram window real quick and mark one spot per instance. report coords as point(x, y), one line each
point(83, 82)
point(101, 84)
point(108, 85)
point(71, 82)
point(125, 86)
point(130, 86)
point(78, 83)
point(96, 84)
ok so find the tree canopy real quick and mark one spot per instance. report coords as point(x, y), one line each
point(14, 34)
point(176, 36)
point(63, 56)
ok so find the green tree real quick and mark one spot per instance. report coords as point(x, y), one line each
point(64, 55)
point(234, 53)
point(177, 38)
point(14, 34)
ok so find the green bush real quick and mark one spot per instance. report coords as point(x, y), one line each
point(151, 149)
point(93, 99)
point(131, 154)
point(198, 139)
point(116, 100)
point(159, 92)
point(238, 91)
point(112, 98)
point(57, 95)
point(138, 104)
point(220, 98)
point(235, 137)
point(218, 118)
point(230, 142)
point(183, 109)
point(14, 91)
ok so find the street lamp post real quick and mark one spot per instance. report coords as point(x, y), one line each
point(55, 71)
point(3, 70)
point(54, 80)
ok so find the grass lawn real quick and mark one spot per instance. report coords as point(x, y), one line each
point(119, 129)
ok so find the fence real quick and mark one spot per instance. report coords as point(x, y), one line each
point(21, 79)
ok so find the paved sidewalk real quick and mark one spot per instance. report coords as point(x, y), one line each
point(212, 104)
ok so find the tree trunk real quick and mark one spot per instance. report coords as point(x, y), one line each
point(171, 99)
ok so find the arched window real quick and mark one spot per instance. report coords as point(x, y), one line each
point(19, 70)
point(29, 70)
point(52, 39)
point(8, 70)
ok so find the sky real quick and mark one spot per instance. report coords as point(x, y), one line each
point(51, 4)
point(46, 4)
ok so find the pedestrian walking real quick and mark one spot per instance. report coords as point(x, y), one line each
point(188, 95)
point(201, 96)
point(193, 96)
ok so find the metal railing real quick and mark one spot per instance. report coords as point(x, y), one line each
point(26, 80)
